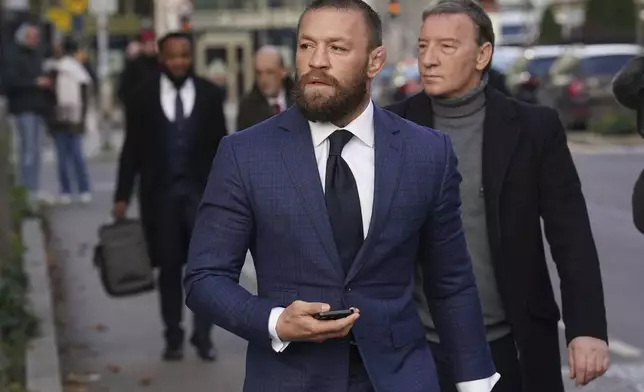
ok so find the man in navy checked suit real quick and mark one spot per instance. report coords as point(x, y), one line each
point(337, 201)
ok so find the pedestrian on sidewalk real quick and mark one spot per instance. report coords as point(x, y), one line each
point(272, 92)
point(27, 89)
point(66, 122)
point(174, 124)
point(338, 201)
point(517, 170)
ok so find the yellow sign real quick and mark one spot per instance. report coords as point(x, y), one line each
point(76, 7)
point(61, 18)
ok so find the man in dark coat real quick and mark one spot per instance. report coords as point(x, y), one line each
point(140, 68)
point(272, 92)
point(28, 92)
point(517, 170)
point(174, 125)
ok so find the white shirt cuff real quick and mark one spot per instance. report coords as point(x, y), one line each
point(484, 385)
point(276, 343)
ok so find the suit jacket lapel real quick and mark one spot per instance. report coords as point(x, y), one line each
point(299, 155)
point(500, 135)
point(388, 163)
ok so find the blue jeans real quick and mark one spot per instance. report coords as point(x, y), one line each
point(70, 158)
point(30, 128)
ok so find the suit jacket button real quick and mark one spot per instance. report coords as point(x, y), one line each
point(347, 289)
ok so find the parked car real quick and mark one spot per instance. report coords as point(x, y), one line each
point(505, 56)
point(406, 79)
point(527, 73)
point(381, 86)
point(579, 83)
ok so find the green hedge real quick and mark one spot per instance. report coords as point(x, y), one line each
point(616, 123)
point(17, 324)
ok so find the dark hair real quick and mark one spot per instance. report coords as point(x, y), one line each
point(471, 8)
point(70, 46)
point(173, 35)
point(371, 17)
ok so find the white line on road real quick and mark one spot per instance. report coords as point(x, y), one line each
point(617, 346)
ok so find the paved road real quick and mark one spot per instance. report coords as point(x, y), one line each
point(118, 341)
point(608, 183)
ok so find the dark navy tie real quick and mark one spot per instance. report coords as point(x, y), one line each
point(343, 201)
point(179, 117)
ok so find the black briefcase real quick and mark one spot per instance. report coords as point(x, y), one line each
point(122, 259)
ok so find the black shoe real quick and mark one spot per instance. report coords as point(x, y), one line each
point(173, 353)
point(205, 349)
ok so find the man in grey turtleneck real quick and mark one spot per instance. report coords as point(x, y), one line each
point(516, 171)
point(462, 118)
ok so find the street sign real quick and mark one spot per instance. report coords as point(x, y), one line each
point(61, 18)
point(103, 7)
point(76, 7)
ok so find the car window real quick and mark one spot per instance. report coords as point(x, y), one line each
point(603, 65)
point(540, 66)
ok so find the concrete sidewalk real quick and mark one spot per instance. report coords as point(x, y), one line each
point(114, 345)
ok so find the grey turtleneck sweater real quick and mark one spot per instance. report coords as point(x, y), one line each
point(462, 119)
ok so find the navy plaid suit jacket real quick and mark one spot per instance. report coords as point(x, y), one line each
point(265, 194)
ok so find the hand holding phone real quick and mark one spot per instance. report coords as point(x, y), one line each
point(314, 322)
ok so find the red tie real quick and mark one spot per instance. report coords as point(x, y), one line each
point(277, 108)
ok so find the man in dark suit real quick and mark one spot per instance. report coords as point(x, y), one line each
point(517, 170)
point(271, 93)
point(338, 201)
point(140, 68)
point(175, 123)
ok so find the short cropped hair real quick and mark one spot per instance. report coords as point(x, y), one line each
point(371, 17)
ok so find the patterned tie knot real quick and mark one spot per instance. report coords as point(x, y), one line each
point(338, 140)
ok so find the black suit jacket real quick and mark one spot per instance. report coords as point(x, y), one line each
point(254, 108)
point(529, 175)
point(143, 154)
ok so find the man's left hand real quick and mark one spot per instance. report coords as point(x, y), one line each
point(587, 359)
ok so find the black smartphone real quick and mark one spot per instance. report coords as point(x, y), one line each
point(334, 314)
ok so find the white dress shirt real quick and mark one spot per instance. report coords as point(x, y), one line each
point(169, 95)
point(359, 154)
point(279, 100)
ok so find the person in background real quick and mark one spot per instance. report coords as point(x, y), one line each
point(271, 93)
point(517, 170)
point(66, 122)
point(174, 125)
point(28, 90)
point(139, 68)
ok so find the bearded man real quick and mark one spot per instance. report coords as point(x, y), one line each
point(338, 201)
point(174, 126)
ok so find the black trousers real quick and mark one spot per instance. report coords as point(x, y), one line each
point(506, 360)
point(358, 377)
point(174, 222)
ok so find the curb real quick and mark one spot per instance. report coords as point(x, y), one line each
point(42, 361)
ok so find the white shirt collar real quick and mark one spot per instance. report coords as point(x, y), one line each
point(280, 99)
point(167, 86)
point(361, 127)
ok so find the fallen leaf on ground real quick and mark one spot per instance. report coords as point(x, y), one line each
point(82, 378)
point(100, 327)
point(114, 368)
point(145, 381)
